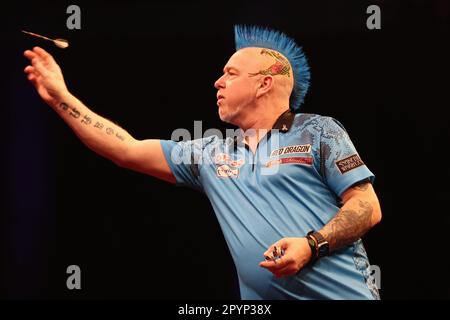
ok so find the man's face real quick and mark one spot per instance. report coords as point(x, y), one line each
point(236, 88)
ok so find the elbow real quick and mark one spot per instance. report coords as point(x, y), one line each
point(376, 218)
point(122, 163)
point(376, 214)
point(122, 160)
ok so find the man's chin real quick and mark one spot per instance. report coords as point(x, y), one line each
point(227, 118)
point(223, 116)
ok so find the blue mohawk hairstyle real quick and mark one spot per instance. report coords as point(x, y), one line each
point(253, 36)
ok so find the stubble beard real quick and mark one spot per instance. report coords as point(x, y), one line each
point(228, 117)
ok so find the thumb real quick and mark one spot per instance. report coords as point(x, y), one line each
point(32, 78)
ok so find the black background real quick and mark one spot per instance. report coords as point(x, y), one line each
point(151, 67)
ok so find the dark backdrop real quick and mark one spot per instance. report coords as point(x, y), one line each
point(151, 67)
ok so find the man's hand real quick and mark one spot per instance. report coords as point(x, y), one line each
point(297, 254)
point(45, 74)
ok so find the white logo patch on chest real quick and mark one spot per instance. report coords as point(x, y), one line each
point(225, 171)
point(223, 158)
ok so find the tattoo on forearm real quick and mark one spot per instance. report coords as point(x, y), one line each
point(120, 137)
point(64, 106)
point(348, 225)
point(75, 113)
point(87, 120)
point(98, 125)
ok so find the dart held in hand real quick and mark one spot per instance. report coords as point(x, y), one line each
point(60, 43)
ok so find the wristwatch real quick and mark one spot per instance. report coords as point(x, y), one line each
point(319, 246)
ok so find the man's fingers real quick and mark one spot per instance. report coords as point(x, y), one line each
point(30, 54)
point(31, 74)
point(42, 53)
point(275, 252)
point(39, 67)
point(269, 251)
point(33, 79)
point(275, 249)
point(280, 244)
point(268, 264)
point(29, 69)
point(274, 265)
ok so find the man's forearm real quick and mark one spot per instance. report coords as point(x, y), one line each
point(351, 222)
point(99, 134)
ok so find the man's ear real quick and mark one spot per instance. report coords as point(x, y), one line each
point(264, 85)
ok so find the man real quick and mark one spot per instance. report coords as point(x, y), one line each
point(292, 212)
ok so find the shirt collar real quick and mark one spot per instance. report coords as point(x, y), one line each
point(283, 124)
point(284, 121)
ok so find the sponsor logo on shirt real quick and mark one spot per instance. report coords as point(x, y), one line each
point(224, 171)
point(299, 160)
point(223, 158)
point(349, 163)
point(301, 148)
point(236, 163)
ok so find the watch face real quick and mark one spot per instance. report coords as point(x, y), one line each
point(323, 249)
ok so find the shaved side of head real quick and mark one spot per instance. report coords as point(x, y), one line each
point(265, 62)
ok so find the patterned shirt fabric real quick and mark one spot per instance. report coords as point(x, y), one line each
point(291, 184)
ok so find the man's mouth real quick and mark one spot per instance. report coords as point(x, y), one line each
point(220, 98)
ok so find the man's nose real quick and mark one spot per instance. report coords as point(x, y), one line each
point(219, 84)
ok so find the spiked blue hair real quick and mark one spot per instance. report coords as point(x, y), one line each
point(253, 36)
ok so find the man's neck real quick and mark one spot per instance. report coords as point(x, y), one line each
point(257, 129)
point(262, 121)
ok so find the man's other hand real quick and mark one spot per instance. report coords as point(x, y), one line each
point(297, 254)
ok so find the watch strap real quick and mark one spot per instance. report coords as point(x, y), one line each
point(321, 244)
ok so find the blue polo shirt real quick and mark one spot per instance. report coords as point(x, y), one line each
point(289, 186)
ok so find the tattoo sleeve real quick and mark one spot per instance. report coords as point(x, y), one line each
point(349, 224)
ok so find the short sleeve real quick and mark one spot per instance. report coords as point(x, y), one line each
point(184, 159)
point(341, 164)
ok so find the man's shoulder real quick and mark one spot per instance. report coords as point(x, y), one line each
point(309, 121)
point(316, 121)
point(205, 142)
point(211, 144)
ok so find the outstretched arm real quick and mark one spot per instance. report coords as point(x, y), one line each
point(359, 213)
point(98, 133)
